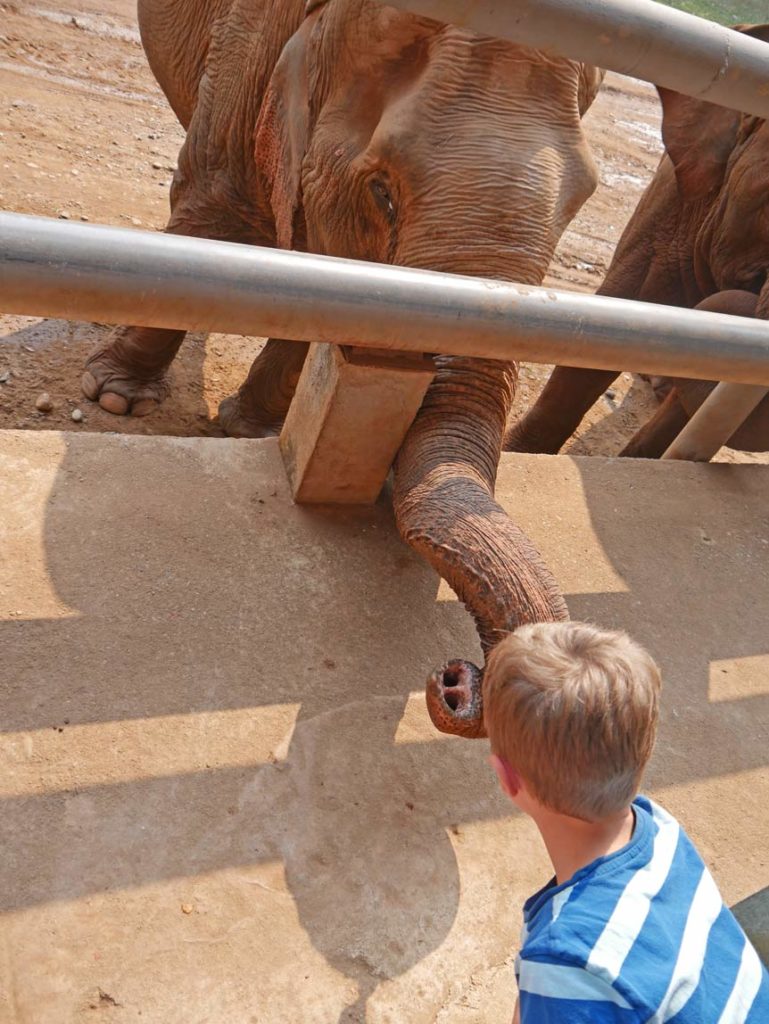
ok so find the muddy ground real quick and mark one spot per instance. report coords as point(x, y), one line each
point(86, 134)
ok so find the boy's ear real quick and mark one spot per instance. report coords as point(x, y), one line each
point(509, 779)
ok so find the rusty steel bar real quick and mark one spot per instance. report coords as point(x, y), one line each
point(116, 275)
point(634, 37)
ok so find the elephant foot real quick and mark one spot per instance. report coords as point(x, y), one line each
point(529, 442)
point(237, 420)
point(128, 376)
point(455, 700)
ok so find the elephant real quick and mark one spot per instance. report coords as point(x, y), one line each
point(347, 128)
point(699, 238)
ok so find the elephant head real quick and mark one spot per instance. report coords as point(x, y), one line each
point(388, 137)
point(391, 138)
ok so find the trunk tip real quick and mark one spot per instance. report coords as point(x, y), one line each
point(455, 700)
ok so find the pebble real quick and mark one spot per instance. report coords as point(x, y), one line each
point(136, 222)
point(44, 403)
point(77, 416)
point(187, 908)
point(63, 215)
point(5, 377)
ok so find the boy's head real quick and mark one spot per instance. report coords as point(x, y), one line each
point(572, 709)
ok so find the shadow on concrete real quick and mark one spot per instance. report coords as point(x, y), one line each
point(198, 587)
point(692, 546)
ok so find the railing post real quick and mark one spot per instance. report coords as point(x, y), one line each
point(722, 413)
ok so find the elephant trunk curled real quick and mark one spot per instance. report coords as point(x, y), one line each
point(445, 510)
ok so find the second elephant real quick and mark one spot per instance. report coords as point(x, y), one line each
point(698, 238)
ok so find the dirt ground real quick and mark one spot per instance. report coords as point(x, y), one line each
point(86, 134)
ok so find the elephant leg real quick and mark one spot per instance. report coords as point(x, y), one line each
point(259, 406)
point(558, 411)
point(655, 436)
point(128, 373)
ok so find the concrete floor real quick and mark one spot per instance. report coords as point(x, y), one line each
point(222, 797)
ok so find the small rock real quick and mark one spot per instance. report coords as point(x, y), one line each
point(44, 403)
point(5, 377)
point(136, 222)
point(611, 395)
point(75, 171)
point(77, 416)
point(63, 215)
point(83, 217)
point(187, 908)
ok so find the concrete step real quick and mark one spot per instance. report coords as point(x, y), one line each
point(222, 797)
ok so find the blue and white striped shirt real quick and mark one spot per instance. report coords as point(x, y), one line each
point(641, 936)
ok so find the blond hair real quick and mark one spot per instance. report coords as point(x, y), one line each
point(573, 708)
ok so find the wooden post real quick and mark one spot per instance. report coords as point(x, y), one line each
point(348, 418)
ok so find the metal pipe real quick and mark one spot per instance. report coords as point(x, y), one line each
point(722, 413)
point(634, 37)
point(116, 275)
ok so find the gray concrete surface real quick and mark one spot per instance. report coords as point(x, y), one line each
point(222, 799)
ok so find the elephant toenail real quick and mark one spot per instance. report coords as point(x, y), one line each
point(89, 387)
point(113, 403)
point(143, 407)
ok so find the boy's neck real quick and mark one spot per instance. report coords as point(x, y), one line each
point(573, 844)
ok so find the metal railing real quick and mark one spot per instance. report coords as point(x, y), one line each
point(634, 37)
point(116, 275)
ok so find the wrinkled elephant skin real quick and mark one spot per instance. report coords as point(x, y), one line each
point(700, 231)
point(352, 129)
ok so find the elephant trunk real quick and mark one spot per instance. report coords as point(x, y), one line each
point(445, 510)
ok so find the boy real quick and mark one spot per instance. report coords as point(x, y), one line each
point(632, 928)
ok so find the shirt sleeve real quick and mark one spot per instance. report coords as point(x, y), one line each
point(554, 992)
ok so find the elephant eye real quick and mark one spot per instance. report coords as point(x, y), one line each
point(382, 197)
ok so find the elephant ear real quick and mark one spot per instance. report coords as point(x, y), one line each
point(699, 138)
point(590, 80)
point(757, 31)
point(282, 135)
